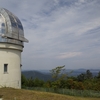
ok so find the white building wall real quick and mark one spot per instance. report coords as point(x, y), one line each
point(10, 54)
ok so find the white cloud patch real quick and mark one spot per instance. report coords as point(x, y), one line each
point(69, 55)
point(58, 29)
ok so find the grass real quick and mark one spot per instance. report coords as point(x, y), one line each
point(21, 94)
point(71, 92)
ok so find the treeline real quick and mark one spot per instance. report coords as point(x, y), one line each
point(60, 79)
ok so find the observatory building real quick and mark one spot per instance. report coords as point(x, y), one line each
point(11, 46)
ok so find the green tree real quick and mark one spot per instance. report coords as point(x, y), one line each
point(89, 75)
point(30, 82)
point(59, 76)
point(81, 77)
point(98, 76)
point(23, 81)
point(58, 73)
point(85, 76)
point(38, 82)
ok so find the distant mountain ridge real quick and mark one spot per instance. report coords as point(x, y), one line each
point(45, 74)
point(36, 74)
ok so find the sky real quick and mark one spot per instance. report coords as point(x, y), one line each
point(60, 32)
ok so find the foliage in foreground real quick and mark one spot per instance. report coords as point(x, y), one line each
point(71, 92)
point(83, 85)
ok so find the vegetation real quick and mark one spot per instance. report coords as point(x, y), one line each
point(20, 94)
point(71, 92)
point(61, 81)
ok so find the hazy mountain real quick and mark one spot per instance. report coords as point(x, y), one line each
point(45, 74)
point(37, 74)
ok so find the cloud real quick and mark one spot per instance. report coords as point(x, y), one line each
point(58, 30)
point(69, 55)
point(65, 29)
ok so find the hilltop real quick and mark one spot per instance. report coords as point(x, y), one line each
point(21, 94)
point(45, 74)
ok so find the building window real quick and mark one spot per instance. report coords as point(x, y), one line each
point(5, 68)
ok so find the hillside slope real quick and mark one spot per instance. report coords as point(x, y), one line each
point(37, 74)
point(20, 94)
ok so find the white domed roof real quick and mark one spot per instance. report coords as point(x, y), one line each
point(11, 29)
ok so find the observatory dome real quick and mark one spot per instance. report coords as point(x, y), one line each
point(11, 29)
